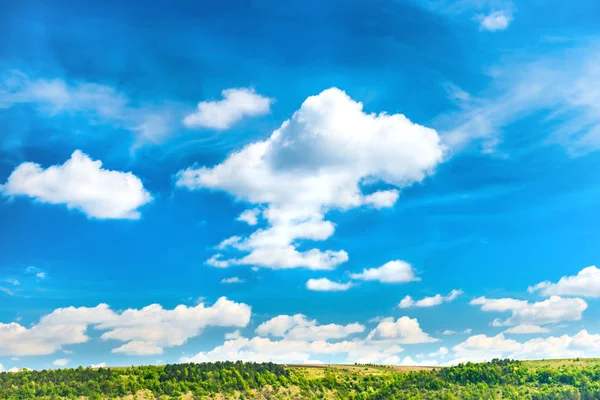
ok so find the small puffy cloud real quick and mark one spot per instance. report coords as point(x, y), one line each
point(41, 275)
point(495, 21)
point(233, 279)
point(139, 348)
point(99, 365)
point(527, 329)
point(298, 327)
point(144, 331)
point(552, 310)
point(453, 294)
point(404, 330)
point(82, 184)
point(431, 301)
point(250, 216)
point(222, 114)
point(442, 352)
point(233, 335)
point(61, 362)
point(408, 362)
point(396, 271)
point(13, 282)
point(449, 332)
point(318, 161)
point(483, 348)
point(32, 270)
point(382, 199)
point(325, 285)
point(585, 284)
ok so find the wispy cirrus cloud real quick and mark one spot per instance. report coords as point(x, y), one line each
point(100, 103)
point(560, 88)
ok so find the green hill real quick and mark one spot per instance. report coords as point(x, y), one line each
point(499, 379)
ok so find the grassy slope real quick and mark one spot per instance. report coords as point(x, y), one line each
point(582, 362)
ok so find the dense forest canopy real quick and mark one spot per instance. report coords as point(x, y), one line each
point(497, 379)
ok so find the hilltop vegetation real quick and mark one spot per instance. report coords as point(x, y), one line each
point(499, 379)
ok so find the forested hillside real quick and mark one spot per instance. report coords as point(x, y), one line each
point(499, 379)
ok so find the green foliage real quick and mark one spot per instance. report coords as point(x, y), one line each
point(499, 379)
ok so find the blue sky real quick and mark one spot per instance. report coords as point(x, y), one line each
point(402, 182)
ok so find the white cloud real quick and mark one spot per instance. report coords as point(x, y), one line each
point(262, 349)
point(99, 365)
point(99, 103)
point(233, 279)
point(222, 114)
point(451, 332)
point(442, 352)
point(453, 294)
point(553, 310)
point(139, 348)
point(298, 327)
point(378, 319)
point(13, 282)
point(325, 285)
point(250, 216)
point(408, 362)
point(2, 368)
point(396, 271)
point(233, 335)
point(41, 275)
point(431, 301)
point(404, 330)
point(585, 284)
point(80, 183)
point(15, 369)
point(156, 327)
point(31, 270)
point(62, 327)
point(7, 291)
point(144, 331)
point(61, 362)
point(560, 88)
point(485, 348)
point(495, 21)
point(315, 162)
point(526, 329)
point(382, 199)
point(305, 341)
